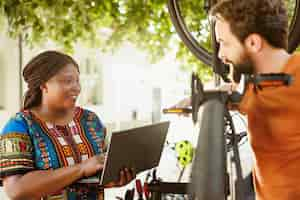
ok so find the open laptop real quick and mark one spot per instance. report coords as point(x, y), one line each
point(139, 148)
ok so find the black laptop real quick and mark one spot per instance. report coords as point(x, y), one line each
point(139, 148)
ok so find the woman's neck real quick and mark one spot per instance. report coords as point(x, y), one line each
point(54, 116)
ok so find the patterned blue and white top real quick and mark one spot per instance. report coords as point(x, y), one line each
point(28, 143)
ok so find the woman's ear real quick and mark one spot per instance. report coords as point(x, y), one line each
point(44, 87)
point(254, 43)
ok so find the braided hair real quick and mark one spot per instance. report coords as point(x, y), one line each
point(39, 70)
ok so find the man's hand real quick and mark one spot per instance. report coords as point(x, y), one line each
point(229, 87)
point(183, 107)
point(186, 102)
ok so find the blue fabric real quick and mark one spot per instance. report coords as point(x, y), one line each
point(45, 148)
point(15, 124)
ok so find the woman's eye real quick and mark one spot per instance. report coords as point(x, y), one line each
point(68, 81)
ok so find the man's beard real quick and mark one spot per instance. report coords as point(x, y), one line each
point(245, 67)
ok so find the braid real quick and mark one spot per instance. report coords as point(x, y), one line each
point(39, 70)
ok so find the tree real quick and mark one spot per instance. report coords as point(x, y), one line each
point(106, 24)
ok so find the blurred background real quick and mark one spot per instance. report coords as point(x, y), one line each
point(132, 62)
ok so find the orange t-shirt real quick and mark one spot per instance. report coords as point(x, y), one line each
point(274, 125)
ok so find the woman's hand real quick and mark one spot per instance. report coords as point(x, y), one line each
point(126, 176)
point(49, 181)
point(92, 165)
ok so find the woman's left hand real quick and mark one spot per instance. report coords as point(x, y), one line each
point(126, 176)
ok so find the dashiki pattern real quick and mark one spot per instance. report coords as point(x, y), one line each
point(27, 143)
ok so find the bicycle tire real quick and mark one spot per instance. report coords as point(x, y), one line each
point(202, 53)
point(294, 33)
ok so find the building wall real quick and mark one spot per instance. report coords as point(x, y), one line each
point(2, 84)
point(9, 78)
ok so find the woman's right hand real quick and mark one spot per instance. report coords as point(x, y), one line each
point(92, 165)
point(50, 181)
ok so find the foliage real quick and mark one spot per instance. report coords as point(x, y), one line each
point(106, 24)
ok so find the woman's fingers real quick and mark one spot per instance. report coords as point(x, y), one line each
point(133, 172)
point(122, 180)
point(128, 175)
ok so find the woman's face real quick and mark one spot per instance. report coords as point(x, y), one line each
point(62, 90)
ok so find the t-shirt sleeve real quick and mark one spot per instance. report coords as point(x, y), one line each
point(16, 150)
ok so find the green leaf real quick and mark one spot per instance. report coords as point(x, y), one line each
point(145, 23)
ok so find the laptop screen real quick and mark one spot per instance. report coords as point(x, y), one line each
point(139, 148)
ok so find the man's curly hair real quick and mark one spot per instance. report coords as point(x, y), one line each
point(267, 18)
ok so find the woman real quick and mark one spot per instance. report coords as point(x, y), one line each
point(51, 144)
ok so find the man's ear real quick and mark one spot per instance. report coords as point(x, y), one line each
point(254, 43)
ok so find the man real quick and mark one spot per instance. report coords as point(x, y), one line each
point(252, 35)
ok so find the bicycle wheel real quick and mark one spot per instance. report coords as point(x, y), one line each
point(202, 53)
point(193, 45)
point(294, 34)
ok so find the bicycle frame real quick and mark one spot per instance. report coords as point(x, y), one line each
point(210, 178)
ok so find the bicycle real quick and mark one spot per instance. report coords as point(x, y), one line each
point(210, 179)
point(210, 59)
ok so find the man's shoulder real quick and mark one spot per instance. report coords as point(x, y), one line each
point(293, 65)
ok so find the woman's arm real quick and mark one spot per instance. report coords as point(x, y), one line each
point(36, 184)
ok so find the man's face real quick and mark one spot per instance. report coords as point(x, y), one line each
point(231, 50)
